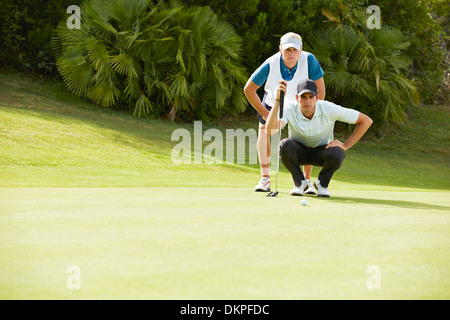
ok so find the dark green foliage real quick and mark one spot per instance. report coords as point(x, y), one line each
point(26, 27)
point(160, 59)
point(424, 31)
point(365, 68)
point(413, 19)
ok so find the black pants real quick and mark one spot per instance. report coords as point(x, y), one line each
point(294, 154)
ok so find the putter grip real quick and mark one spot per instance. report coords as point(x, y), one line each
point(280, 114)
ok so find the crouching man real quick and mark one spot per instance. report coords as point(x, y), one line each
point(311, 142)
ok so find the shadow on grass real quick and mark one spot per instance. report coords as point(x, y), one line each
point(390, 203)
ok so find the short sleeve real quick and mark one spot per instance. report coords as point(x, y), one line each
point(315, 71)
point(343, 114)
point(261, 74)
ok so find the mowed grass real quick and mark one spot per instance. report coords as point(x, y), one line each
point(89, 187)
point(222, 243)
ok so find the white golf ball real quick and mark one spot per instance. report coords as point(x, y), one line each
point(304, 202)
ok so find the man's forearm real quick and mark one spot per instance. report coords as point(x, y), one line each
point(320, 83)
point(254, 100)
point(272, 120)
point(252, 97)
point(363, 124)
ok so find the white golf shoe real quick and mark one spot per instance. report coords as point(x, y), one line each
point(263, 185)
point(309, 189)
point(321, 191)
point(299, 190)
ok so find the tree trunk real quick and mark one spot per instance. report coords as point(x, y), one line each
point(172, 113)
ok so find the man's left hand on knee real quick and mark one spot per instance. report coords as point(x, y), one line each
point(336, 143)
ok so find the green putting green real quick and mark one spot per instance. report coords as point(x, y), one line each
point(223, 243)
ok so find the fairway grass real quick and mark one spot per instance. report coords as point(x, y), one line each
point(93, 190)
point(223, 243)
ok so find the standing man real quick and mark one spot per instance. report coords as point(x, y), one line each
point(311, 125)
point(290, 64)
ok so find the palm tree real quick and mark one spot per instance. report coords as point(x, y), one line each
point(156, 57)
point(209, 78)
point(365, 68)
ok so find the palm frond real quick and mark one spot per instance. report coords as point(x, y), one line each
point(98, 17)
point(76, 73)
point(143, 107)
point(104, 93)
point(332, 16)
point(132, 89)
point(238, 99)
point(98, 55)
point(124, 64)
point(180, 87)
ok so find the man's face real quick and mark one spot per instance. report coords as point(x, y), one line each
point(307, 103)
point(291, 55)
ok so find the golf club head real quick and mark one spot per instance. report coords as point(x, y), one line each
point(273, 194)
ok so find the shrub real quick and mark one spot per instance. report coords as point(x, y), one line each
point(26, 27)
point(160, 59)
point(365, 68)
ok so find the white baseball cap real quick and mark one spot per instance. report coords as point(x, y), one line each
point(291, 40)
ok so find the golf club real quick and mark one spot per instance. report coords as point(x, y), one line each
point(280, 115)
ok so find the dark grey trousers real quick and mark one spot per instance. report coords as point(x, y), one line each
point(294, 154)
